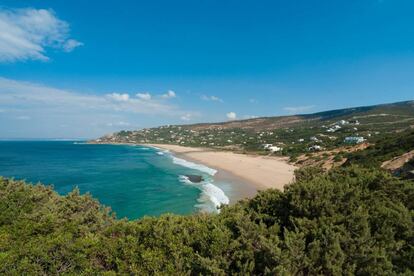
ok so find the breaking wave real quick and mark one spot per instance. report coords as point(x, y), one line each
point(211, 198)
point(194, 166)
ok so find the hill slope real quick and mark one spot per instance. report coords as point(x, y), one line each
point(293, 135)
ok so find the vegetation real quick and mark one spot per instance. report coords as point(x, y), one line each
point(350, 220)
point(384, 149)
point(296, 135)
point(354, 219)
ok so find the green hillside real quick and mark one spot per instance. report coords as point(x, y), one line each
point(386, 148)
point(295, 135)
point(348, 221)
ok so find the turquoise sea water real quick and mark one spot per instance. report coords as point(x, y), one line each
point(133, 180)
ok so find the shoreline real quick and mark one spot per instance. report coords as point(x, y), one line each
point(248, 174)
point(245, 173)
point(241, 188)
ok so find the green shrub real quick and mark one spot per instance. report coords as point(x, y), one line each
point(384, 149)
point(348, 221)
point(338, 158)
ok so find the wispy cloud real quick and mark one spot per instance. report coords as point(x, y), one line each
point(23, 117)
point(298, 109)
point(119, 97)
point(250, 117)
point(187, 117)
point(211, 98)
point(144, 96)
point(120, 123)
point(170, 94)
point(71, 44)
point(85, 114)
point(27, 33)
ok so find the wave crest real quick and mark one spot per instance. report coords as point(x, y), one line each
point(194, 166)
point(212, 197)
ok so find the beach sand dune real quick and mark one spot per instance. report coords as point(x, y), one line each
point(262, 172)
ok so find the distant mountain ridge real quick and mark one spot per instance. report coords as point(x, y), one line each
point(399, 108)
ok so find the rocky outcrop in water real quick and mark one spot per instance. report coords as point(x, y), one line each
point(195, 178)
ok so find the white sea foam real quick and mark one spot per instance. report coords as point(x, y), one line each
point(215, 194)
point(193, 166)
point(212, 197)
point(185, 179)
point(153, 147)
point(161, 151)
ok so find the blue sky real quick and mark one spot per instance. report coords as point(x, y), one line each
point(86, 68)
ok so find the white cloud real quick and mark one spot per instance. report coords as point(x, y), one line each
point(231, 116)
point(170, 94)
point(85, 115)
point(26, 33)
point(30, 95)
point(124, 97)
point(253, 101)
point(211, 98)
point(144, 96)
point(298, 109)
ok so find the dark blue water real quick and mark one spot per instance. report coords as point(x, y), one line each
point(133, 180)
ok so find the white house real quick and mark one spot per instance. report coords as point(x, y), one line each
point(354, 140)
point(333, 128)
point(275, 149)
point(315, 139)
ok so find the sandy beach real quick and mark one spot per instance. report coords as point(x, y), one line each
point(259, 172)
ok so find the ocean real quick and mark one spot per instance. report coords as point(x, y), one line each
point(134, 181)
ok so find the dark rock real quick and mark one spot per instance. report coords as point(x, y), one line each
point(195, 178)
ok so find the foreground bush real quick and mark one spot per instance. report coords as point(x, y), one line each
point(349, 221)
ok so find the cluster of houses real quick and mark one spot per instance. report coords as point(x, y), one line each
point(338, 125)
point(182, 136)
point(221, 137)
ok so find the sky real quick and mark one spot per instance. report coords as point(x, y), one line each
point(82, 69)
